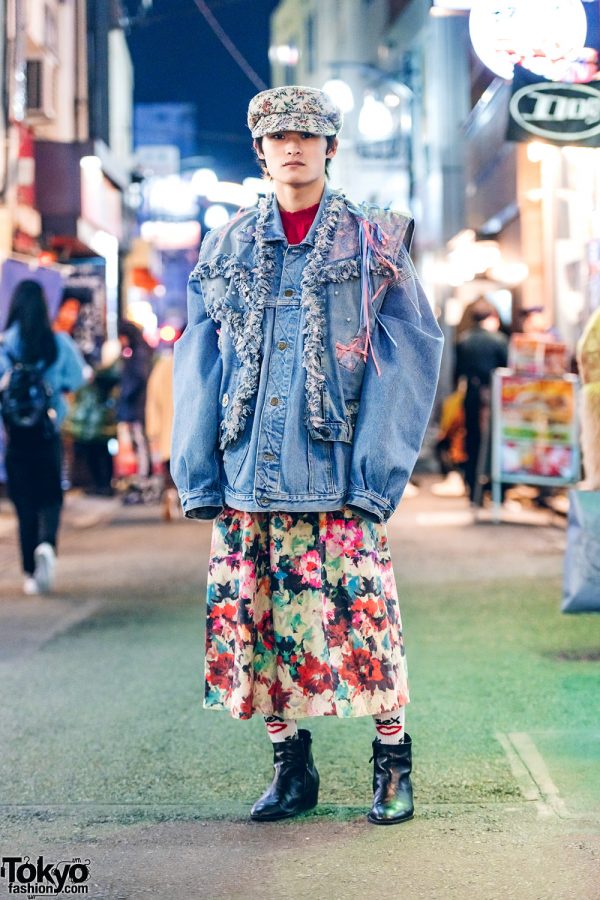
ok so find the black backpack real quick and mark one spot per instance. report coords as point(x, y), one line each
point(25, 396)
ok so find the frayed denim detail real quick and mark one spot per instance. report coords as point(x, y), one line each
point(246, 329)
point(337, 272)
point(217, 266)
point(230, 319)
point(345, 269)
point(313, 303)
point(224, 266)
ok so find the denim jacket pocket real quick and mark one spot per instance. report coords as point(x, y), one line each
point(234, 456)
point(334, 426)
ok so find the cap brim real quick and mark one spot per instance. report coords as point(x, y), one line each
point(310, 123)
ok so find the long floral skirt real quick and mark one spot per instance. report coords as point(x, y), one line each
point(302, 617)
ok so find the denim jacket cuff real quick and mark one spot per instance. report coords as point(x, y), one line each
point(374, 508)
point(202, 504)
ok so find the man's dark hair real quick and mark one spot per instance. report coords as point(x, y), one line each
point(330, 138)
point(482, 309)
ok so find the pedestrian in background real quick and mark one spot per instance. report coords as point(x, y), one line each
point(33, 458)
point(92, 424)
point(479, 351)
point(535, 321)
point(303, 386)
point(450, 444)
point(159, 426)
point(136, 360)
point(67, 315)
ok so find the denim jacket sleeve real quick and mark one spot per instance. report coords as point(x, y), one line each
point(396, 404)
point(195, 457)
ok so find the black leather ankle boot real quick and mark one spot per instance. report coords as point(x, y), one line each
point(392, 790)
point(295, 787)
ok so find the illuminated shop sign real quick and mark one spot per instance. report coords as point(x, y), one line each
point(564, 114)
point(542, 37)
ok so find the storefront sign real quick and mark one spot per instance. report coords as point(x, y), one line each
point(535, 429)
point(560, 113)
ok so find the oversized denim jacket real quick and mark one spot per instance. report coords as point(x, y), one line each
point(306, 374)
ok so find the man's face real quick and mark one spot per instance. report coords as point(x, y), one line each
point(296, 158)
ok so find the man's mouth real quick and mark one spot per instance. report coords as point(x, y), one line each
point(293, 164)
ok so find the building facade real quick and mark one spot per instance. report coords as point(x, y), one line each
point(67, 123)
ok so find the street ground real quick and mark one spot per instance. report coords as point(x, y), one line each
point(106, 753)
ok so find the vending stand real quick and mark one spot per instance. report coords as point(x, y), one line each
point(535, 434)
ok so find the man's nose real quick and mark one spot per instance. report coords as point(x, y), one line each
point(293, 146)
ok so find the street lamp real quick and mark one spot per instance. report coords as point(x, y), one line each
point(385, 113)
point(341, 94)
point(375, 120)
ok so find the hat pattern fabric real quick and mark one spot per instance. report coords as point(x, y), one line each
point(293, 108)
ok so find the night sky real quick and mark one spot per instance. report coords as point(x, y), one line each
point(178, 58)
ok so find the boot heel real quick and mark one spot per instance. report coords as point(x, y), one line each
point(312, 797)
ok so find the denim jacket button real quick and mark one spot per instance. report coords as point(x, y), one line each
point(268, 456)
point(263, 501)
point(288, 293)
point(225, 399)
point(274, 401)
point(282, 345)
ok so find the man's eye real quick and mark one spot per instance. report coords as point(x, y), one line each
point(307, 135)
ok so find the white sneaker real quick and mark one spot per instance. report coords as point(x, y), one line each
point(30, 586)
point(451, 486)
point(45, 562)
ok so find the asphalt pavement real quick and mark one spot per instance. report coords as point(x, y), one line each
point(107, 757)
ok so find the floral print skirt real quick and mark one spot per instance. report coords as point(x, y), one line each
point(302, 617)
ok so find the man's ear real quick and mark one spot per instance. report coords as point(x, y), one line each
point(257, 150)
point(333, 149)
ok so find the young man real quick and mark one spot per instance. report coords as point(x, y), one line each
point(303, 385)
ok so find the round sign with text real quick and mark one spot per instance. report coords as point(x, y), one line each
point(558, 112)
point(544, 37)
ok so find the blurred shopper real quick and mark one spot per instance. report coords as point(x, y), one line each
point(159, 426)
point(67, 315)
point(466, 320)
point(450, 444)
point(480, 350)
point(535, 321)
point(135, 370)
point(303, 386)
point(92, 423)
point(588, 357)
point(36, 368)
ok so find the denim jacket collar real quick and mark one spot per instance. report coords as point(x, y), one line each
point(274, 230)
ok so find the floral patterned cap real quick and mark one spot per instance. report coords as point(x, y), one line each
point(293, 108)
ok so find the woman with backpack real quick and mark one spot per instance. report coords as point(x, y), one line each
point(37, 367)
point(303, 384)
